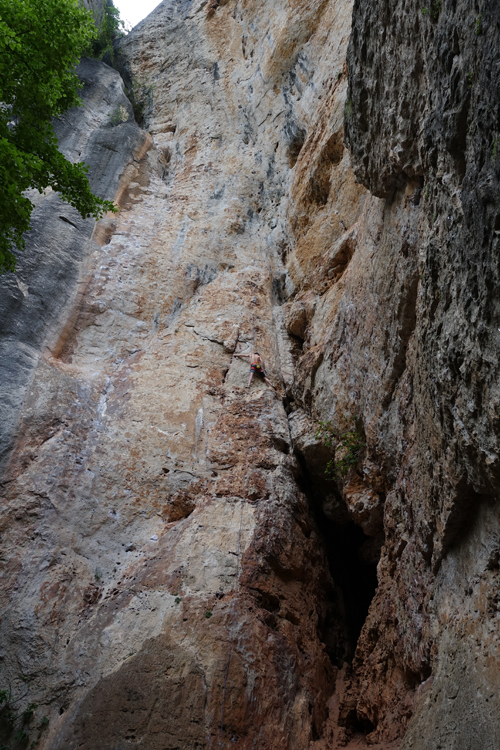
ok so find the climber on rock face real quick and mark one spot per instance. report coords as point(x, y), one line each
point(257, 367)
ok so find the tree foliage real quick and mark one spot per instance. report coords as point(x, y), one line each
point(112, 27)
point(40, 45)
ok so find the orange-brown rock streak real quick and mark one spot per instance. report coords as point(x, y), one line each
point(125, 489)
point(144, 474)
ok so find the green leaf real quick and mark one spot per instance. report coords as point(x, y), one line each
point(41, 42)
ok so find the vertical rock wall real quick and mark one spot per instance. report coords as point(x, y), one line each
point(51, 274)
point(143, 480)
point(422, 123)
point(145, 476)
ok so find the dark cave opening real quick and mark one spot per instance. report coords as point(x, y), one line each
point(352, 559)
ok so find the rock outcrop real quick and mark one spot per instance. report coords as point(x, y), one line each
point(422, 126)
point(51, 275)
point(179, 551)
point(97, 7)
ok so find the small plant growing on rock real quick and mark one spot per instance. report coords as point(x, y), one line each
point(97, 574)
point(8, 715)
point(208, 614)
point(118, 115)
point(434, 10)
point(347, 447)
point(29, 712)
point(477, 25)
point(140, 94)
point(14, 724)
point(21, 737)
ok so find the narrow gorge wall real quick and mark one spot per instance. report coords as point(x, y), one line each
point(422, 124)
point(337, 208)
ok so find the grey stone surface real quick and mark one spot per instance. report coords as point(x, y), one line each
point(422, 119)
point(458, 708)
point(33, 299)
point(134, 438)
point(457, 236)
point(123, 510)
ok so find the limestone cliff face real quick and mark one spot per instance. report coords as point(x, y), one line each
point(159, 517)
point(51, 274)
point(422, 124)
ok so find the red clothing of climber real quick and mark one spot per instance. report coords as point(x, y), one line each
point(257, 367)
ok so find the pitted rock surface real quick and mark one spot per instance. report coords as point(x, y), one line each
point(149, 494)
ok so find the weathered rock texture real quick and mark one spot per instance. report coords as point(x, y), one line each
point(142, 478)
point(97, 7)
point(51, 275)
point(422, 123)
point(139, 451)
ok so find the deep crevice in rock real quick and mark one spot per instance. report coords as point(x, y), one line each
point(354, 570)
point(352, 559)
